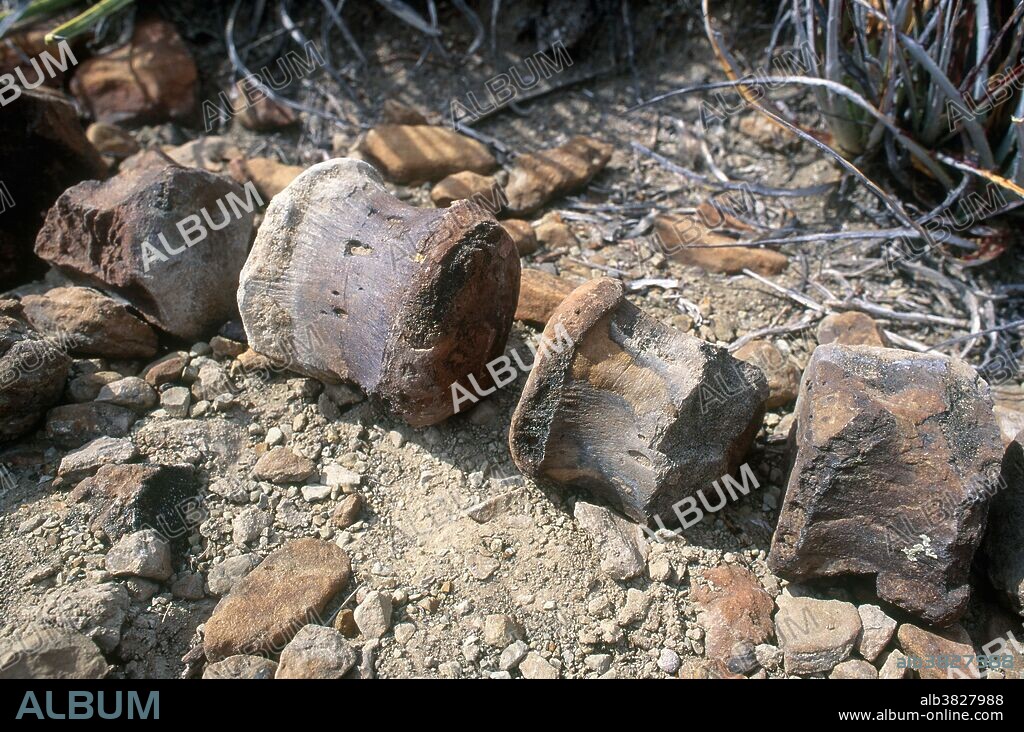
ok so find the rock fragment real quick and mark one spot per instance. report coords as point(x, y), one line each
point(617, 404)
point(483, 189)
point(540, 294)
point(620, 544)
point(101, 326)
point(929, 652)
point(783, 376)
point(282, 465)
point(851, 329)
point(815, 635)
point(142, 554)
point(50, 653)
point(735, 613)
point(540, 177)
point(268, 607)
point(316, 652)
point(32, 376)
point(414, 154)
point(150, 236)
point(523, 235)
point(878, 631)
point(1004, 538)
point(241, 667)
point(373, 615)
point(73, 425)
point(895, 455)
point(89, 458)
point(687, 239)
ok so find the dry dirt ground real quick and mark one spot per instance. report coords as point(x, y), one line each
point(415, 540)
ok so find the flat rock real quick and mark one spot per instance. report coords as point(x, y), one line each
point(89, 458)
point(241, 667)
point(537, 178)
point(32, 376)
point(131, 392)
point(316, 652)
point(851, 329)
point(735, 613)
point(535, 666)
point(49, 653)
point(282, 465)
point(96, 611)
point(462, 185)
point(894, 451)
point(854, 669)
point(150, 79)
point(414, 154)
point(620, 544)
point(924, 648)
point(878, 631)
point(101, 325)
point(688, 240)
point(42, 142)
point(73, 425)
point(268, 607)
point(1004, 539)
point(540, 294)
point(148, 236)
point(815, 635)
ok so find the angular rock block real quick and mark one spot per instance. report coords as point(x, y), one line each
point(169, 240)
point(32, 374)
point(43, 151)
point(632, 410)
point(897, 459)
point(416, 153)
point(346, 282)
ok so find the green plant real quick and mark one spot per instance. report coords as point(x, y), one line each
point(81, 23)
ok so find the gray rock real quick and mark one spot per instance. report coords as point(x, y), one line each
point(131, 392)
point(96, 611)
point(619, 543)
point(535, 667)
point(248, 525)
point(878, 631)
point(142, 554)
point(241, 667)
point(668, 661)
point(211, 381)
point(854, 669)
point(815, 635)
point(73, 425)
point(49, 653)
point(224, 576)
point(513, 654)
point(373, 615)
point(500, 630)
point(316, 652)
point(86, 460)
point(175, 401)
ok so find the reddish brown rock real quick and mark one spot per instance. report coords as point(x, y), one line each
point(466, 185)
point(281, 465)
point(782, 374)
point(165, 370)
point(149, 235)
point(256, 111)
point(421, 153)
point(270, 176)
point(554, 233)
point(735, 613)
point(687, 239)
point(151, 79)
point(543, 176)
point(851, 329)
point(32, 375)
point(618, 404)
point(404, 302)
point(929, 652)
point(101, 326)
point(540, 293)
point(43, 151)
point(894, 451)
point(523, 235)
point(265, 610)
point(347, 511)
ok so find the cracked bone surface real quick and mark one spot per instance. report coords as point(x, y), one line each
point(346, 282)
point(637, 413)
